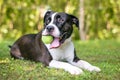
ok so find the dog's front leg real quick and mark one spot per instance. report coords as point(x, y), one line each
point(66, 66)
point(85, 65)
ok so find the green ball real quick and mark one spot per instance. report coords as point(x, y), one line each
point(47, 39)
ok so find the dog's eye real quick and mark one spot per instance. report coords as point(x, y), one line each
point(60, 20)
point(48, 21)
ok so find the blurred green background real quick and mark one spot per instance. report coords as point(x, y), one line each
point(101, 17)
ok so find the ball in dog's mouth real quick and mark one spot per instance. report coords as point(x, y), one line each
point(53, 41)
point(56, 41)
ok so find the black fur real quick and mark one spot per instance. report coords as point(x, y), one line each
point(76, 59)
point(31, 47)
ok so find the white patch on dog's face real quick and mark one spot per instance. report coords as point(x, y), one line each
point(56, 32)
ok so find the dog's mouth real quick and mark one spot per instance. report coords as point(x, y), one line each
point(57, 41)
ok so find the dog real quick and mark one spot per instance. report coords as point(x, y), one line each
point(60, 53)
point(31, 47)
point(60, 26)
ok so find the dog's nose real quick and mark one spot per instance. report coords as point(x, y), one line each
point(50, 28)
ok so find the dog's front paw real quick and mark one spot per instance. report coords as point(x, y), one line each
point(94, 68)
point(74, 70)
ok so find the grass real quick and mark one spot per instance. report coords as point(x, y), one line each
point(104, 54)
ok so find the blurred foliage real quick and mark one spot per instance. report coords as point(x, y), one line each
point(18, 17)
point(102, 19)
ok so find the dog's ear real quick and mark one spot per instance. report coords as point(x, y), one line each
point(47, 13)
point(75, 21)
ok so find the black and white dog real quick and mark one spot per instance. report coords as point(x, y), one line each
point(60, 26)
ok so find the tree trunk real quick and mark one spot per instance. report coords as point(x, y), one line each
point(81, 25)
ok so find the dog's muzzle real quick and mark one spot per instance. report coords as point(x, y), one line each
point(57, 40)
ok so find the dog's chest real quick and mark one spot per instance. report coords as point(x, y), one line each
point(64, 52)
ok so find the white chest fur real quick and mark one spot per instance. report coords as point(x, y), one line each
point(64, 52)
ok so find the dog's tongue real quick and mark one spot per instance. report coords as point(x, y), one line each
point(55, 43)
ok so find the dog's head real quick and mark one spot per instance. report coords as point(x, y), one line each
point(60, 26)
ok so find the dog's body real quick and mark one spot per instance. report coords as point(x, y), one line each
point(31, 47)
point(60, 27)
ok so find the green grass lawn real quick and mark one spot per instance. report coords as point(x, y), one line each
point(104, 54)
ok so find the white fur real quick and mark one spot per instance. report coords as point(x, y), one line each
point(66, 53)
point(85, 65)
point(66, 66)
